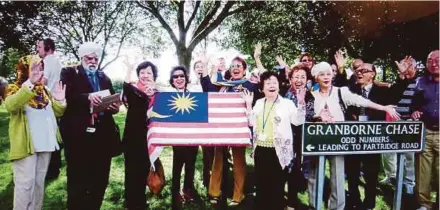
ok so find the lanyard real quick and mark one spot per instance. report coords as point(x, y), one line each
point(264, 110)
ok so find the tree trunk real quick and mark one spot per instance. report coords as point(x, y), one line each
point(184, 57)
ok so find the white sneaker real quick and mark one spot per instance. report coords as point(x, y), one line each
point(422, 208)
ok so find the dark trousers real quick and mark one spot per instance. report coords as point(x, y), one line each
point(370, 166)
point(137, 166)
point(87, 178)
point(295, 179)
point(183, 156)
point(208, 157)
point(270, 180)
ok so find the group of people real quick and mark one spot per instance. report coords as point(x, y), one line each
point(49, 104)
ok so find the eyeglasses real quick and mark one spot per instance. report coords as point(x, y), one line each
point(236, 65)
point(363, 71)
point(91, 58)
point(178, 76)
point(306, 60)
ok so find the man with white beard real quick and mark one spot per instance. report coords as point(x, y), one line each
point(90, 139)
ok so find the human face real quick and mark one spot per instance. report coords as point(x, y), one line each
point(307, 61)
point(145, 75)
point(198, 68)
point(179, 80)
point(40, 49)
point(271, 87)
point(237, 70)
point(432, 63)
point(365, 74)
point(90, 62)
point(299, 79)
point(324, 79)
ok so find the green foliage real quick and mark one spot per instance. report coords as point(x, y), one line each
point(117, 85)
point(8, 60)
point(20, 24)
point(370, 30)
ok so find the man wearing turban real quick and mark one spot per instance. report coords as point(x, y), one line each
point(90, 139)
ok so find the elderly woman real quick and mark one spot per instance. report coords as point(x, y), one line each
point(33, 131)
point(137, 97)
point(271, 118)
point(329, 106)
point(296, 181)
point(183, 156)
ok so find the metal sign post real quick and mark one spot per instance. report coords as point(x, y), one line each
point(398, 194)
point(320, 182)
point(348, 138)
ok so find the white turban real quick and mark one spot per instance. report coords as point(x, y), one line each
point(88, 48)
point(321, 67)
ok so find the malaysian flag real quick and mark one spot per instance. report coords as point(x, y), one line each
point(208, 119)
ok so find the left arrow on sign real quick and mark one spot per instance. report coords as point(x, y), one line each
point(310, 147)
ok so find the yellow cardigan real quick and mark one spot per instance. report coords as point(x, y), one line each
point(19, 134)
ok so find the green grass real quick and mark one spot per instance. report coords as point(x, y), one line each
point(56, 194)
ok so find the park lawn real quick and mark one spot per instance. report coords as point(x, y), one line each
point(56, 196)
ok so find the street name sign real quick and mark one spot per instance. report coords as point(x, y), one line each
point(371, 137)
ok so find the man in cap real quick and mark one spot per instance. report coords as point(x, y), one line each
point(91, 139)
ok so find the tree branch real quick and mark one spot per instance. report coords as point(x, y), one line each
point(164, 24)
point(243, 8)
point(193, 15)
point(207, 18)
point(180, 17)
point(203, 34)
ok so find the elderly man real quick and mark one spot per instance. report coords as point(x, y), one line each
point(426, 108)
point(91, 139)
point(365, 87)
point(402, 94)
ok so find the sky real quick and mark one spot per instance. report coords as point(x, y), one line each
point(166, 61)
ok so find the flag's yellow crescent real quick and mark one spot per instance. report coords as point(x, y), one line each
point(157, 115)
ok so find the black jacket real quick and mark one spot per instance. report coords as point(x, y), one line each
point(135, 133)
point(377, 95)
point(105, 140)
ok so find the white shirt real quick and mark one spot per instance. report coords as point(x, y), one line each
point(367, 89)
point(43, 128)
point(286, 113)
point(52, 70)
point(332, 101)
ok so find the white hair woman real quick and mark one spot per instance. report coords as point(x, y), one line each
point(330, 103)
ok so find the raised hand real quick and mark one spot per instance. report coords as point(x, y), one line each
point(404, 64)
point(248, 97)
point(59, 93)
point(280, 60)
point(130, 66)
point(339, 58)
point(257, 51)
point(301, 95)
